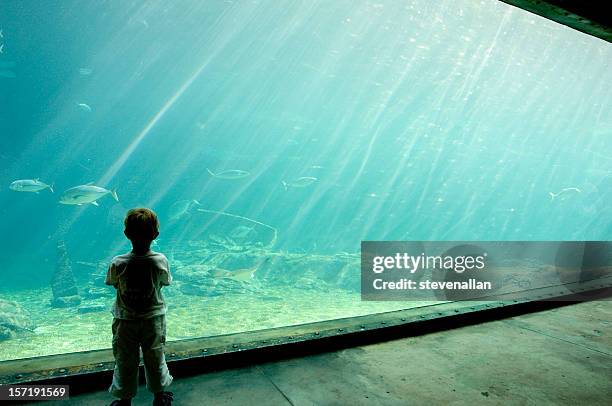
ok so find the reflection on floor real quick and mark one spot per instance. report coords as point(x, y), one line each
point(560, 356)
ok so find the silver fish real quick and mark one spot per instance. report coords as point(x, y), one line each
point(86, 194)
point(29, 185)
point(304, 181)
point(229, 174)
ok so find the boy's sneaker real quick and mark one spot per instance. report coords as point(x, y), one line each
point(163, 399)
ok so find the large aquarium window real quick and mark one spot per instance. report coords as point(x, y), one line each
point(272, 138)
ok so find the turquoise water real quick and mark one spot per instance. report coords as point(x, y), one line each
point(415, 120)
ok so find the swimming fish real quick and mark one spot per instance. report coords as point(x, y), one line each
point(242, 275)
point(85, 71)
point(29, 185)
point(85, 194)
point(84, 107)
point(229, 174)
point(304, 181)
point(564, 193)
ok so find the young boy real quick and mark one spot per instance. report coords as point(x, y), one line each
point(139, 312)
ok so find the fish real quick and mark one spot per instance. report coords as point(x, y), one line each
point(564, 193)
point(304, 181)
point(229, 174)
point(242, 275)
point(30, 185)
point(86, 194)
point(84, 107)
point(85, 71)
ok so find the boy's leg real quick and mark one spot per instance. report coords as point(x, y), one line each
point(153, 340)
point(127, 357)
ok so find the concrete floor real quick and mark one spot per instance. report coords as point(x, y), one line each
point(561, 356)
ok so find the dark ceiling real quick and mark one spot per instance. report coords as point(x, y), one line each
point(592, 17)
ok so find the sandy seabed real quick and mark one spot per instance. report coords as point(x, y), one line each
point(64, 330)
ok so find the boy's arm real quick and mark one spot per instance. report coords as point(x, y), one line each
point(111, 275)
point(166, 277)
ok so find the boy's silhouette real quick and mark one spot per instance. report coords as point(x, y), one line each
point(139, 312)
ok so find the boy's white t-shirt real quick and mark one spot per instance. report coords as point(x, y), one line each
point(138, 280)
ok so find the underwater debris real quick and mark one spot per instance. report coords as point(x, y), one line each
point(86, 194)
point(302, 182)
point(208, 266)
point(564, 193)
point(63, 284)
point(219, 240)
point(229, 174)
point(29, 185)
point(274, 231)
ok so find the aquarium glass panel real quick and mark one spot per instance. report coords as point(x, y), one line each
point(271, 138)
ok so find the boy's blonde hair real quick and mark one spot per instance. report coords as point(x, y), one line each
point(141, 224)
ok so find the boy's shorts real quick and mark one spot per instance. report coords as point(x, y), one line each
point(128, 337)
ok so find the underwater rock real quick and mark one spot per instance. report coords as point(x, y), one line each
point(63, 284)
point(91, 308)
point(14, 320)
point(66, 301)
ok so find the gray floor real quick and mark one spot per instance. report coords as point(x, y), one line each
point(562, 356)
